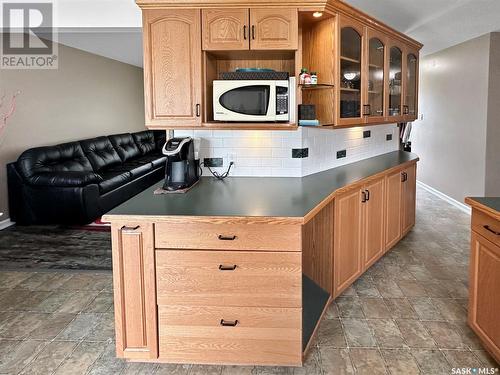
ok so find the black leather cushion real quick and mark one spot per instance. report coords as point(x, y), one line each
point(65, 179)
point(113, 180)
point(145, 141)
point(61, 158)
point(137, 169)
point(100, 152)
point(157, 160)
point(125, 146)
point(160, 139)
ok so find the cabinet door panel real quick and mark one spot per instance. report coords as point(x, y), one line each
point(394, 209)
point(374, 212)
point(172, 67)
point(484, 301)
point(134, 291)
point(347, 260)
point(395, 83)
point(374, 108)
point(409, 198)
point(410, 108)
point(225, 29)
point(274, 29)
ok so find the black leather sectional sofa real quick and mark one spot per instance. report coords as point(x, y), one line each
point(77, 182)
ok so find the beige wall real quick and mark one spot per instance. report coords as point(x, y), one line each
point(451, 139)
point(86, 96)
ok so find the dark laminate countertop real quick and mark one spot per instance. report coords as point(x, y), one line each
point(487, 204)
point(257, 196)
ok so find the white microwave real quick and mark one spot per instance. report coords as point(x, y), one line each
point(253, 100)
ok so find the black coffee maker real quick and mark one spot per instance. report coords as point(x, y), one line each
point(182, 169)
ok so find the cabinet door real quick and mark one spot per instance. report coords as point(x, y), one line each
point(350, 77)
point(347, 259)
point(410, 108)
point(395, 83)
point(394, 208)
point(225, 29)
point(409, 198)
point(374, 107)
point(374, 222)
point(484, 298)
point(274, 29)
point(172, 67)
point(134, 291)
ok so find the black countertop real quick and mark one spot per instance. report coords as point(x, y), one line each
point(492, 203)
point(257, 196)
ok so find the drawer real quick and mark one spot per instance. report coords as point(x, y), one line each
point(228, 278)
point(230, 335)
point(255, 237)
point(486, 226)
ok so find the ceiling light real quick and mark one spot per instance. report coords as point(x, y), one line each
point(317, 14)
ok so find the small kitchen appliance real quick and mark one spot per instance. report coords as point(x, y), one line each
point(182, 169)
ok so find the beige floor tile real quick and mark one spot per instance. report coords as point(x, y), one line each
point(367, 361)
point(432, 361)
point(102, 303)
point(107, 363)
point(358, 333)
point(172, 369)
point(445, 335)
point(387, 333)
point(462, 359)
point(336, 361)
point(20, 355)
point(350, 307)
point(49, 358)
point(331, 333)
point(80, 360)
point(400, 361)
point(374, 308)
point(400, 308)
point(425, 309)
point(137, 368)
point(51, 326)
point(415, 334)
point(77, 301)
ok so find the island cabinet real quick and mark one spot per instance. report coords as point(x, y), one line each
point(484, 279)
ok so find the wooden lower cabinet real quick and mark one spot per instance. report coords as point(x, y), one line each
point(409, 198)
point(373, 222)
point(230, 335)
point(484, 298)
point(394, 209)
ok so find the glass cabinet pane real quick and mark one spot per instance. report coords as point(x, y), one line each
point(411, 90)
point(376, 78)
point(395, 69)
point(350, 73)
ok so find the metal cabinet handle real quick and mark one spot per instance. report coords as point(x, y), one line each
point(253, 32)
point(367, 110)
point(197, 110)
point(227, 268)
point(367, 195)
point(406, 109)
point(226, 238)
point(363, 196)
point(245, 32)
point(228, 323)
point(130, 229)
point(404, 177)
point(488, 228)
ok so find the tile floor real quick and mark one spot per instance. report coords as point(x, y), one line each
point(406, 315)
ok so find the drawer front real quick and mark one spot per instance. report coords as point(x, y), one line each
point(228, 278)
point(486, 226)
point(255, 237)
point(230, 335)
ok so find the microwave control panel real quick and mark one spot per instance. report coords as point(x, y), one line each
point(281, 100)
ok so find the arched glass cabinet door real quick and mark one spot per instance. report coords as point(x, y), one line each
point(395, 81)
point(376, 63)
point(350, 73)
point(411, 85)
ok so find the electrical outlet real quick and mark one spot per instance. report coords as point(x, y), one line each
point(341, 154)
point(213, 162)
point(367, 134)
point(421, 117)
point(300, 153)
point(388, 137)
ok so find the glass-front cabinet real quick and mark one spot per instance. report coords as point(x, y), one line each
point(395, 109)
point(410, 108)
point(374, 105)
point(350, 81)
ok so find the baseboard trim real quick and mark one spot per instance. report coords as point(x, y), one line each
point(461, 206)
point(5, 224)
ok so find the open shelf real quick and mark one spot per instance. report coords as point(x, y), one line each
point(349, 59)
point(348, 89)
point(318, 86)
point(375, 66)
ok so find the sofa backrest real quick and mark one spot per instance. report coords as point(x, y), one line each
point(125, 146)
point(100, 153)
point(60, 158)
point(145, 141)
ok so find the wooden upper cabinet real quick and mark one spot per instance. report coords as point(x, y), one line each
point(410, 106)
point(351, 73)
point(374, 108)
point(395, 82)
point(274, 29)
point(172, 67)
point(225, 29)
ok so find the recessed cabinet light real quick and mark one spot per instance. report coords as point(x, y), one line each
point(317, 14)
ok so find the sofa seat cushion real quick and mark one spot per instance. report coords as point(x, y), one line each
point(61, 158)
point(137, 169)
point(125, 146)
point(157, 160)
point(100, 153)
point(65, 179)
point(145, 141)
point(113, 180)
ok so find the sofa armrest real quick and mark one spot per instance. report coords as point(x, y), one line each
point(65, 179)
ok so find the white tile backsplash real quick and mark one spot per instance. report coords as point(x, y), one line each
point(269, 153)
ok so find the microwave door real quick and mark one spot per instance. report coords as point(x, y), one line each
point(248, 103)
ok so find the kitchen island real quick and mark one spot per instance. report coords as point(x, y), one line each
point(241, 271)
point(484, 275)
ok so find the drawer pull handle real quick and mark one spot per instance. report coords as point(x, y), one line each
point(487, 227)
point(228, 323)
point(227, 268)
point(227, 238)
point(130, 229)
